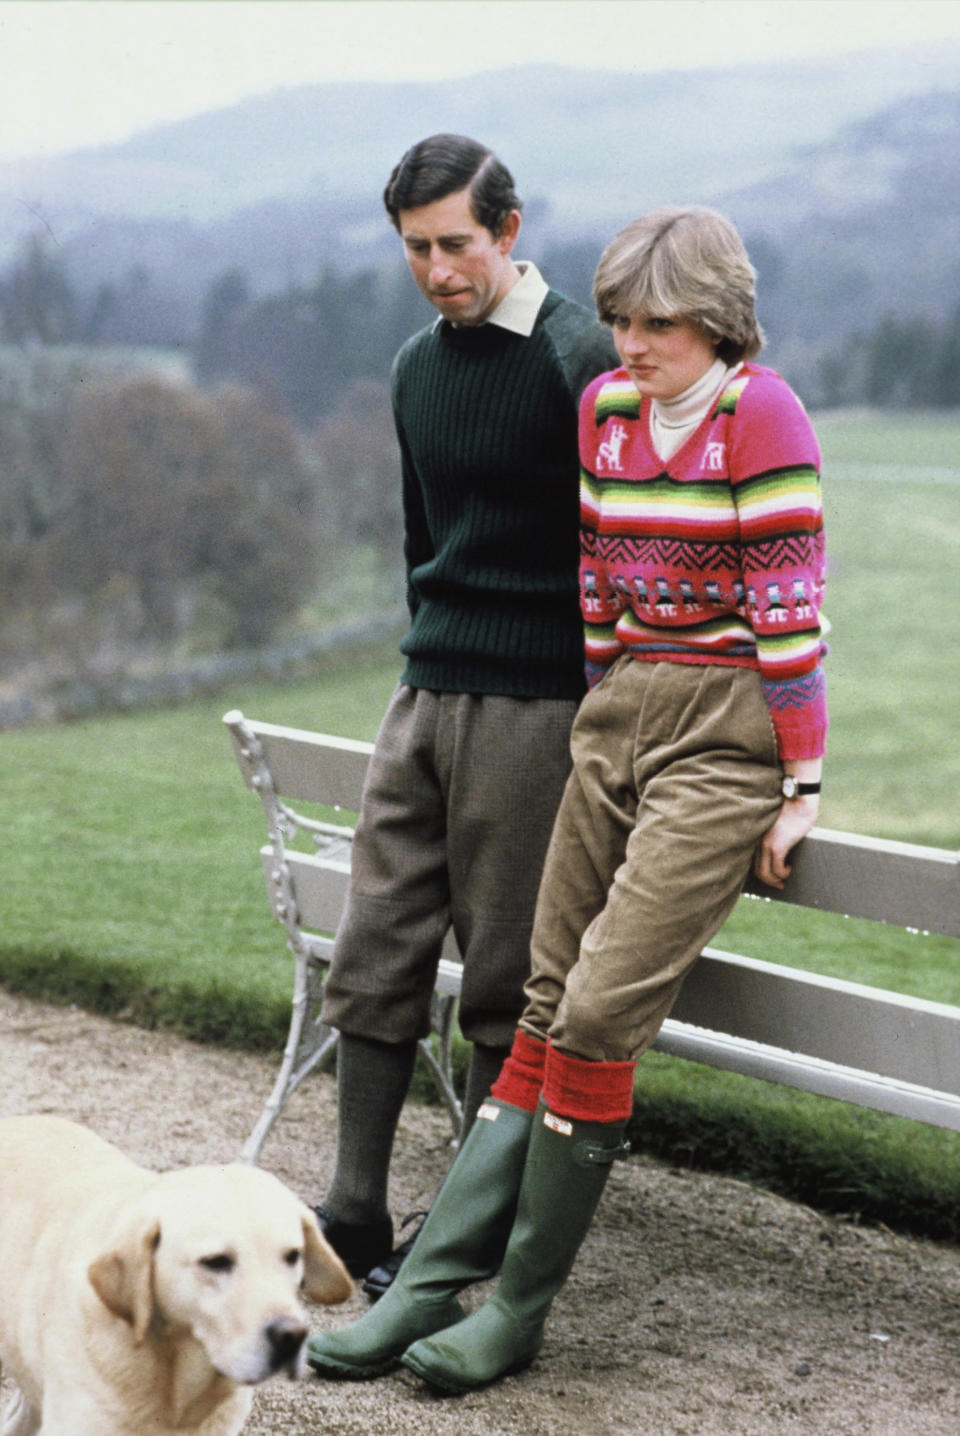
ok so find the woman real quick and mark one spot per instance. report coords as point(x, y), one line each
point(696, 751)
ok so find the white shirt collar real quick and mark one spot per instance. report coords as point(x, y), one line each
point(519, 307)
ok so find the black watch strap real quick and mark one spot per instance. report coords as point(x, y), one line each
point(792, 788)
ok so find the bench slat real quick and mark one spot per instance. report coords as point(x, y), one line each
point(311, 767)
point(899, 883)
point(320, 888)
point(905, 1038)
point(846, 1023)
point(826, 1079)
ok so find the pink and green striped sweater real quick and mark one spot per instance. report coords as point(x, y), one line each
point(715, 555)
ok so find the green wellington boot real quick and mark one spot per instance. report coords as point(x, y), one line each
point(462, 1241)
point(568, 1163)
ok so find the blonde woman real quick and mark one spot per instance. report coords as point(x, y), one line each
point(696, 752)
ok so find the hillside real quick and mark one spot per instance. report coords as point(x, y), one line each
point(843, 176)
point(592, 147)
point(860, 227)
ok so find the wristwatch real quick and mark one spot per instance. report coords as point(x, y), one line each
point(791, 787)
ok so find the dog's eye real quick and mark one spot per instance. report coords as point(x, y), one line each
point(221, 1263)
point(292, 1256)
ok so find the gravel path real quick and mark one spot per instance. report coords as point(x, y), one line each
point(698, 1305)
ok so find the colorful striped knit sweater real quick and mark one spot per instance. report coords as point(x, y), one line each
point(715, 556)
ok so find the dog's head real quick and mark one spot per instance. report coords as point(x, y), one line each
point(219, 1254)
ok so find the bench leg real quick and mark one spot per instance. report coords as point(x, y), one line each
point(440, 1065)
point(308, 1045)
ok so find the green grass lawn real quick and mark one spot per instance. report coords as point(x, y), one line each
point(131, 882)
point(893, 599)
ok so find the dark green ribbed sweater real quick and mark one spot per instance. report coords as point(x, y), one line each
point(487, 424)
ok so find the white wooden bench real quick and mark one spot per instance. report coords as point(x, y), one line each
point(839, 1039)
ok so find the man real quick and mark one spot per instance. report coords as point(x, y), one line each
point(472, 755)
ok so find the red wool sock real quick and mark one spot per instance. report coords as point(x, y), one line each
point(588, 1091)
point(521, 1076)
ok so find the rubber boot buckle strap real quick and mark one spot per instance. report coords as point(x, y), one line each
point(591, 1154)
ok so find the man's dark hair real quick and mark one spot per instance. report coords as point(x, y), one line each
point(444, 164)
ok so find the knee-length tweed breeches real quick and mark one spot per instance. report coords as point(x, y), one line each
point(456, 814)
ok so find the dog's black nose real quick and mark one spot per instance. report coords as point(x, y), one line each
point(286, 1335)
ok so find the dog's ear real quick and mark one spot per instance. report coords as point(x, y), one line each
point(325, 1278)
point(123, 1277)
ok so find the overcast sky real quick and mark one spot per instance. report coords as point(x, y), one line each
point(81, 72)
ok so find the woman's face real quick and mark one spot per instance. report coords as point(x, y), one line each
point(662, 356)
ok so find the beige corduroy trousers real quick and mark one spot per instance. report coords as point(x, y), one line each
point(675, 779)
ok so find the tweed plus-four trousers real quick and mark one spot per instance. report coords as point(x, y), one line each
point(675, 780)
point(455, 819)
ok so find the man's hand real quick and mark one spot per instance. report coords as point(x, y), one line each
point(796, 818)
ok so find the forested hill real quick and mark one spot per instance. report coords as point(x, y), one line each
point(862, 230)
point(590, 149)
point(843, 175)
point(196, 327)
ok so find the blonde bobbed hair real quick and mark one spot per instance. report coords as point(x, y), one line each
point(683, 263)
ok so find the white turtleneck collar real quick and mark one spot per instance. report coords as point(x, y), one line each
point(672, 421)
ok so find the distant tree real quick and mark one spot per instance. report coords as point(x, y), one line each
point(839, 374)
point(256, 544)
point(227, 301)
point(17, 521)
point(902, 361)
point(570, 267)
point(768, 260)
point(304, 347)
point(135, 459)
point(313, 343)
point(947, 379)
point(175, 493)
point(401, 309)
point(359, 501)
point(37, 301)
point(36, 388)
point(99, 321)
point(138, 312)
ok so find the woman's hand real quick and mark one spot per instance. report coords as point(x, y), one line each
point(796, 818)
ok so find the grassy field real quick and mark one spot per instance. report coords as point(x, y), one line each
point(130, 881)
point(893, 513)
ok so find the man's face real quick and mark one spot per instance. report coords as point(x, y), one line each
point(457, 263)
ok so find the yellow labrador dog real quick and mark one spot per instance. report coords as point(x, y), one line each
point(135, 1303)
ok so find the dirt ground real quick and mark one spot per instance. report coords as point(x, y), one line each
point(698, 1305)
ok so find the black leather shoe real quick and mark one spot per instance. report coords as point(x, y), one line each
point(381, 1277)
point(359, 1245)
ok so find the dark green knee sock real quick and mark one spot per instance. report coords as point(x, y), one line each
point(373, 1079)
